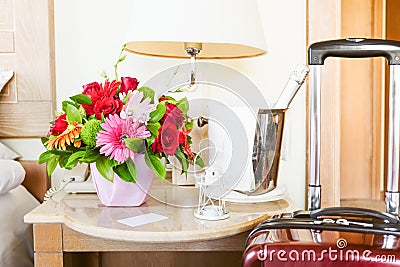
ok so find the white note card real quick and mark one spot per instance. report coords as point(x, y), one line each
point(143, 219)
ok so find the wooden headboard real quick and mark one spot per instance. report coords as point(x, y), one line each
point(27, 102)
point(36, 180)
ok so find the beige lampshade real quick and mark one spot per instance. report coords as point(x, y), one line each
point(221, 28)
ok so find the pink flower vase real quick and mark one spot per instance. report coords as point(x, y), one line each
point(121, 193)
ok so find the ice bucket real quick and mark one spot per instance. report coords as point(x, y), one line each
point(267, 150)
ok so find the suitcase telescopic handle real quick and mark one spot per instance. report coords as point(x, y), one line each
point(344, 211)
point(354, 48)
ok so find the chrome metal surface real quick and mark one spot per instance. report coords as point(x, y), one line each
point(392, 190)
point(392, 200)
point(314, 197)
point(315, 136)
point(202, 121)
point(267, 150)
point(316, 236)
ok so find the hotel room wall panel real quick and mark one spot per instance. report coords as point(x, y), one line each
point(34, 44)
point(27, 47)
point(6, 14)
point(6, 42)
point(16, 122)
point(9, 92)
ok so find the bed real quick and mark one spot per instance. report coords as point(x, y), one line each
point(21, 190)
point(16, 237)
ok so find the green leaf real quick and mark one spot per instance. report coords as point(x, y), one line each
point(189, 125)
point(135, 144)
point(156, 165)
point(82, 111)
point(183, 105)
point(122, 58)
point(150, 140)
point(181, 89)
point(61, 152)
point(62, 161)
point(147, 92)
point(199, 162)
point(158, 113)
point(105, 168)
point(171, 100)
point(126, 98)
point(184, 162)
point(153, 127)
point(90, 155)
point(74, 158)
point(44, 140)
point(132, 168)
point(81, 99)
point(124, 173)
point(73, 114)
point(51, 165)
point(103, 74)
point(65, 104)
point(45, 157)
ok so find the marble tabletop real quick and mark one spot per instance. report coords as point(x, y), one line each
point(84, 213)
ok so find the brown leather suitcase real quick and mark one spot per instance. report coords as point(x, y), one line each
point(337, 236)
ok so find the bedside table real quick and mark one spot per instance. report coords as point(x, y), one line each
point(77, 230)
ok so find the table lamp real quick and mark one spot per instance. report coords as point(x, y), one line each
point(206, 29)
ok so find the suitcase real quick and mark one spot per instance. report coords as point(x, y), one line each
point(337, 235)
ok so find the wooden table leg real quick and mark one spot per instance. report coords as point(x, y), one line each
point(47, 239)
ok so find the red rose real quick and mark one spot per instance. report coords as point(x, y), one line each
point(59, 125)
point(173, 115)
point(156, 146)
point(93, 90)
point(167, 140)
point(107, 106)
point(128, 84)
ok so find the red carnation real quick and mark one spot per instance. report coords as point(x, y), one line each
point(59, 125)
point(104, 98)
point(128, 84)
point(111, 88)
point(184, 141)
point(107, 106)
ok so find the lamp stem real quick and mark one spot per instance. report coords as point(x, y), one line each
point(193, 70)
point(193, 52)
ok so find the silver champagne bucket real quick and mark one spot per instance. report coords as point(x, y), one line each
point(267, 150)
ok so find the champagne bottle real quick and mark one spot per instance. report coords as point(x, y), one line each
point(295, 81)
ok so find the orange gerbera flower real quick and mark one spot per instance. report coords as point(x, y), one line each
point(66, 138)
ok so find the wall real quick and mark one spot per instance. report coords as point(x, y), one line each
point(89, 35)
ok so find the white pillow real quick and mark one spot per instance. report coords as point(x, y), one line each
point(7, 153)
point(12, 174)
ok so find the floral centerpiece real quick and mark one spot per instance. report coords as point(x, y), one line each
point(113, 122)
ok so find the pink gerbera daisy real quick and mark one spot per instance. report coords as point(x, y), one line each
point(111, 137)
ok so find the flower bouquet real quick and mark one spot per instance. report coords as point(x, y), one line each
point(111, 124)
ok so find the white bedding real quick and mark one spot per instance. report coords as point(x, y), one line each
point(16, 246)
